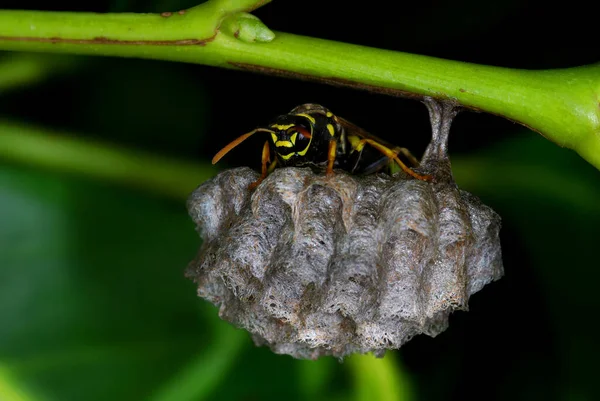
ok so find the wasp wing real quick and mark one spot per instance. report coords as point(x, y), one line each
point(369, 161)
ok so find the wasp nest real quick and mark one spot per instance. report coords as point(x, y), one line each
point(313, 266)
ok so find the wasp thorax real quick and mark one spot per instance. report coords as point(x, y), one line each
point(317, 265)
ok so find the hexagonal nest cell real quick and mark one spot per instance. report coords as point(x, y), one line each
point(313, 265)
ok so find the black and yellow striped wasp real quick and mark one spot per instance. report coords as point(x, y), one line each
point(311, 135)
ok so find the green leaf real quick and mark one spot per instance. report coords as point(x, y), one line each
point(92, 292)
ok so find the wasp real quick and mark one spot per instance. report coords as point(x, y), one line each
point(311, 135)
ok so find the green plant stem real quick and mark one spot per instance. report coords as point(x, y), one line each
point(61, 152)
point(563, 105)
point(379, 379)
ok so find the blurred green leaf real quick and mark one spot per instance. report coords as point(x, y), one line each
point(523, 169)
point(21, 70)
point(379, 379)
point(92, 293)
point(551, 200)
point(315, 378)
point(199, 378)
point(11, 389)
point(45, 148)
point(93, 303)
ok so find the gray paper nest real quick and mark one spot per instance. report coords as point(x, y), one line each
point(314, 266)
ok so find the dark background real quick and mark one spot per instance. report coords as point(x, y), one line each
point(93, 302)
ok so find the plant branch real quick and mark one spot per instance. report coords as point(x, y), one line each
point(563, 105)
point(43, 148)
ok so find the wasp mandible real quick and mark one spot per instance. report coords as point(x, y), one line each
point(311, 135)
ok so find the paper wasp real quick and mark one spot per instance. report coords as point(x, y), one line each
point(310, 135)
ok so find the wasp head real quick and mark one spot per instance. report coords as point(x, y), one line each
point(292, 134)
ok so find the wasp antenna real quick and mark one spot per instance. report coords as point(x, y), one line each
point(236, 142)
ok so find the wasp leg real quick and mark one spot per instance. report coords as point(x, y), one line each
point(272, 167)
point(392, 154)
point(413, 160)
point(331, 157)
point(266, 157)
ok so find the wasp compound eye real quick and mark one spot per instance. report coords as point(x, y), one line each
point(315, 265)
